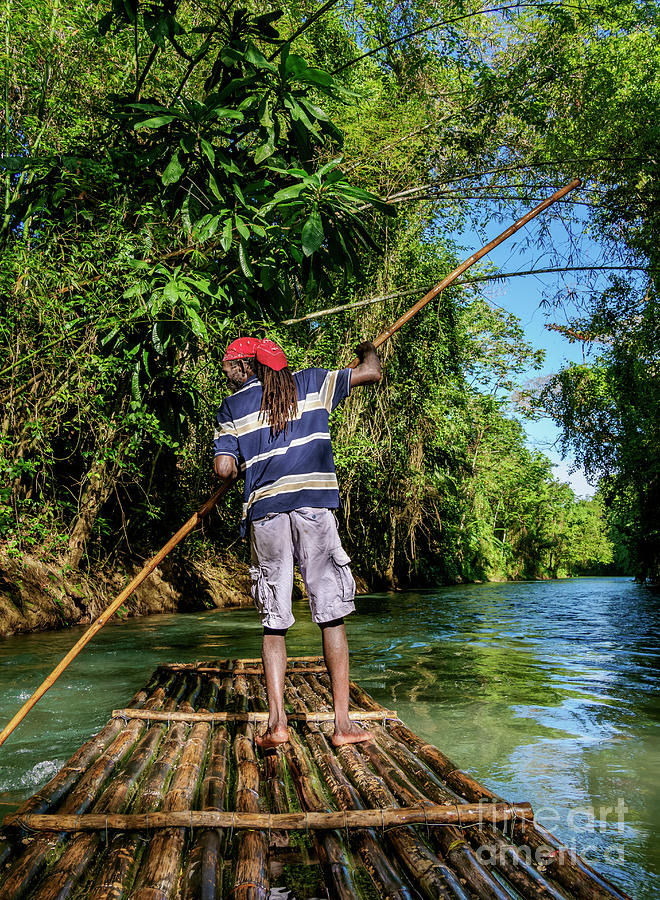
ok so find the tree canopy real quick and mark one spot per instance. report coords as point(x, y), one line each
point(177, 174)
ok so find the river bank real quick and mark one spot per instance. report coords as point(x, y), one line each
point(43, 594)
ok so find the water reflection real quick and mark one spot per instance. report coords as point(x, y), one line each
point(548, 692)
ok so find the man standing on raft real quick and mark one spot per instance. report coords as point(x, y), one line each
point(275, 427)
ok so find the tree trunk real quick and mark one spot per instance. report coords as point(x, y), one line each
point(96, 487)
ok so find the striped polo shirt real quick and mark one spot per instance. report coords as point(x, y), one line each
point(284, 472)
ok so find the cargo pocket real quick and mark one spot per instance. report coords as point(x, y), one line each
point(262, 592)
point(340, 560)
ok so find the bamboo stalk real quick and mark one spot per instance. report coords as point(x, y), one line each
point(252, 716)
point(434, 877)
point(328, 845)
point(468, 814)
point(125, 851)
point(253, 670)
point(251, 870)
point(512, 863)
point(450, 841)
point(201, 876)
point(30, 864)
point(458, 271)
point(48, 682)
point(160, 867)
point(381, 868)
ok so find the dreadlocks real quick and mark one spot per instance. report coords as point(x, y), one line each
point(280, 397)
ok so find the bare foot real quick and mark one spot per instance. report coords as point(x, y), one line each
point(352, 734)
point(272, 737)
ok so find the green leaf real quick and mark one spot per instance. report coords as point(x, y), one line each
point(289, 193)
point(198, 327)
point(158, 338)
point(171, 291)
point(208, 151)
point(242, 228)
point(242, 258)
point(174, 170)
point(263, 152)
point(226, 239)
point(312, 233)
point(215, 190)
point(156, 122)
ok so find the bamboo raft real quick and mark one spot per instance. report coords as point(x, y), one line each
point(171, 800)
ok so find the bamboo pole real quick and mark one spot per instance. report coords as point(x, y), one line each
point(450, 841)
point(424, 868)
point(382, 870)
point(204, 510)
point(511, 863)
point(48, 682)
point(31, 863)
point(252, 716)
point(159, 871)
point(126, 851)
point(434, 814)
point(220, 670)
point(524, 220)
point(569, 870)
point(251, 879)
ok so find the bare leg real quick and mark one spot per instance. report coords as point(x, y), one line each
point(273, 654)
point(335, 651)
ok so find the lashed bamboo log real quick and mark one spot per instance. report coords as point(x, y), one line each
point(450, 840)
point(161, 864)
point(125, 851)
point(253, 716)
point(569, 869)
point(249, 666)
point(328, 851)
point(30, 864)
point(512, 865)
point(434, 877)
point(328, 845)
point(381, 869)
point(251, 871)
point(70, 867)
point(252, 670)
point(201, 877)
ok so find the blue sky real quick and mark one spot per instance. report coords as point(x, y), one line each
point(523, 297)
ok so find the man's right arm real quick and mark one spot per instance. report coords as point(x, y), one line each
point(368, 369)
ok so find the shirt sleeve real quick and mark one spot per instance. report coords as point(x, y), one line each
point(225, 439)
point(335, 388)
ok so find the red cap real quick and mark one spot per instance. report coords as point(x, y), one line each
point(241, 348)
point(271, 355)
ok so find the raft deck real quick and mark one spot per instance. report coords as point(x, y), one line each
point(171, 800)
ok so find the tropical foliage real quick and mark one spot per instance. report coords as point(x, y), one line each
point(176, 174)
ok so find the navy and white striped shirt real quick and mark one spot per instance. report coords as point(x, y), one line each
point(284, 473)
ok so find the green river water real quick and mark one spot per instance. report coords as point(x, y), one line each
point(546, 692)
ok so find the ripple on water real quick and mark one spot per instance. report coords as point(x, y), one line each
point(39, 774)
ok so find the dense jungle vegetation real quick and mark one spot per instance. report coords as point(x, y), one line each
point(178, 173)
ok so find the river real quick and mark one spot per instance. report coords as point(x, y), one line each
point(545, 691)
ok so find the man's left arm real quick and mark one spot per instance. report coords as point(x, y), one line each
point(368, 369)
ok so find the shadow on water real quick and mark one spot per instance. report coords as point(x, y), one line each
point(546, 691)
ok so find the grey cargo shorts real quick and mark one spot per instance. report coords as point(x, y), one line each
point(309, 536)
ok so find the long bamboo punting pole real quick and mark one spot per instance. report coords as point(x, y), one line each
point(211, 502)
point(451, 278)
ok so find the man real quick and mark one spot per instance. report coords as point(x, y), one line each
point(274, 427)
